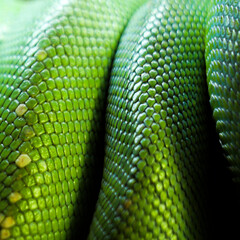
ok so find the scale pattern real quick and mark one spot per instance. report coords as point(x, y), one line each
point(223, 75)
point(156, 141)
point(54, 68)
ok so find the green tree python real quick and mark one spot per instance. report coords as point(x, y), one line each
point(105, 119)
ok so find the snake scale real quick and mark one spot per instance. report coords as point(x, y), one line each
point(106, 129)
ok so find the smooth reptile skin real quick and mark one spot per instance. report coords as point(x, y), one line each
point(8, 11)
point(11, 10)
point(55, 62)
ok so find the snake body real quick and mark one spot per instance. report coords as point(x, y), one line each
point(223, 64)
point(156, 139)
point(54, 69)
point(164, 59)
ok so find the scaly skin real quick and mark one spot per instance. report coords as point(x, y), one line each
point(54, 67)
point(223, 75)
point(157, 130)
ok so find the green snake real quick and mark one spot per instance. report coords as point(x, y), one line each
point(104, 116)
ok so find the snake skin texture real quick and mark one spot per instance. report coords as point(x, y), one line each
point(54, 67)
point(106, 128)
point(152, 185)
point(223, 75)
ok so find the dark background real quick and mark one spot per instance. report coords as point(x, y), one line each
point(224, 195)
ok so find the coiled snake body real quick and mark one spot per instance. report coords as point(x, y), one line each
point(164, 59)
